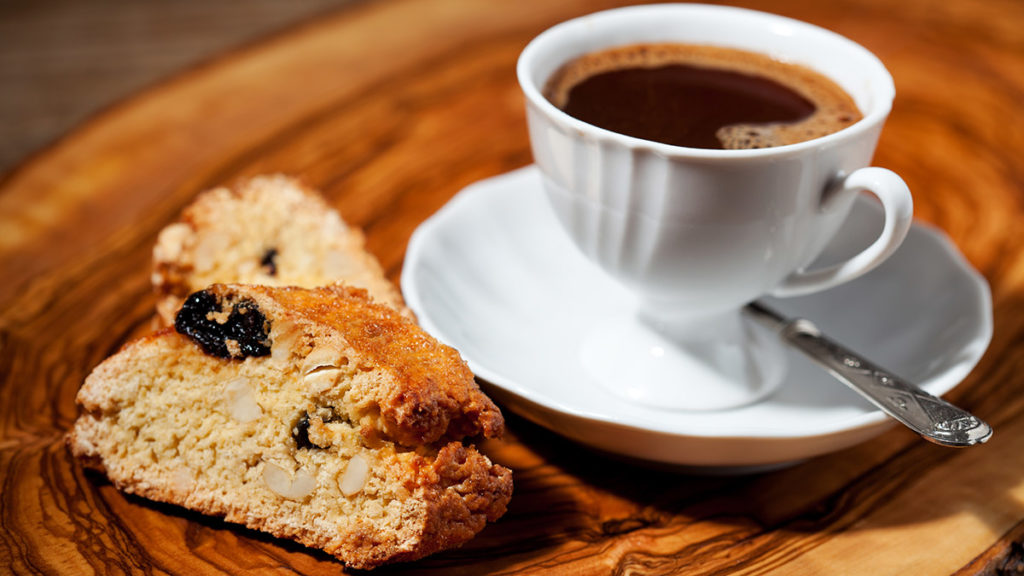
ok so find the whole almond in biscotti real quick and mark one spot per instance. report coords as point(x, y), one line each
point(312, 414)
point(269, 230)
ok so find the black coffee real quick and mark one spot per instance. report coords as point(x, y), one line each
point(701, 96)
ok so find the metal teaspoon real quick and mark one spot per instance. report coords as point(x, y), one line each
point(933, 418)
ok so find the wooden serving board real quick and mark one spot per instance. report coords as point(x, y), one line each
point(392, 106)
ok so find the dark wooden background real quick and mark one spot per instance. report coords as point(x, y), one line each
point(64, 60)
point(390, 107)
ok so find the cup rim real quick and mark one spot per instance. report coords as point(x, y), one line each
point(880, 109)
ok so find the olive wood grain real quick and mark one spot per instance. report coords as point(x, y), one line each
point(391, 107)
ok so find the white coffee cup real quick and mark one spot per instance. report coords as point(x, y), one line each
point(698, 233)
point(699, 230)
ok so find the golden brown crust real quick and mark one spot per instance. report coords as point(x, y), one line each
point(431, 395)
point(463, 491)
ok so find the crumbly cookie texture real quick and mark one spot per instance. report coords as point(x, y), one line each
point(269, 230)
point(312, 414)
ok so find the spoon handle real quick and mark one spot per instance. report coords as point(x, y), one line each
point(931, 417)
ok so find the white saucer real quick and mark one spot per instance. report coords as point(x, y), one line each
point(493, 275)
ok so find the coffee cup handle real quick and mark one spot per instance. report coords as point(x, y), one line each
point(899, 208)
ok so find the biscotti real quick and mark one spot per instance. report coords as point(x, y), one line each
point(311, 414)
point(268, 230)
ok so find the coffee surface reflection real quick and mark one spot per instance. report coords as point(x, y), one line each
point(700, 96)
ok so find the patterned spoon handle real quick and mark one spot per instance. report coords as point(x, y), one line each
point(931, 417)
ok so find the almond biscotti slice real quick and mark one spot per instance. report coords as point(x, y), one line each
point(311, 414)
point(269, 230)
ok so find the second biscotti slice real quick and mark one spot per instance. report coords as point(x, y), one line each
point(268, 230)
point(311, 414)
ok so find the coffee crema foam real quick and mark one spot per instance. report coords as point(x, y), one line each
point(834, 109)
